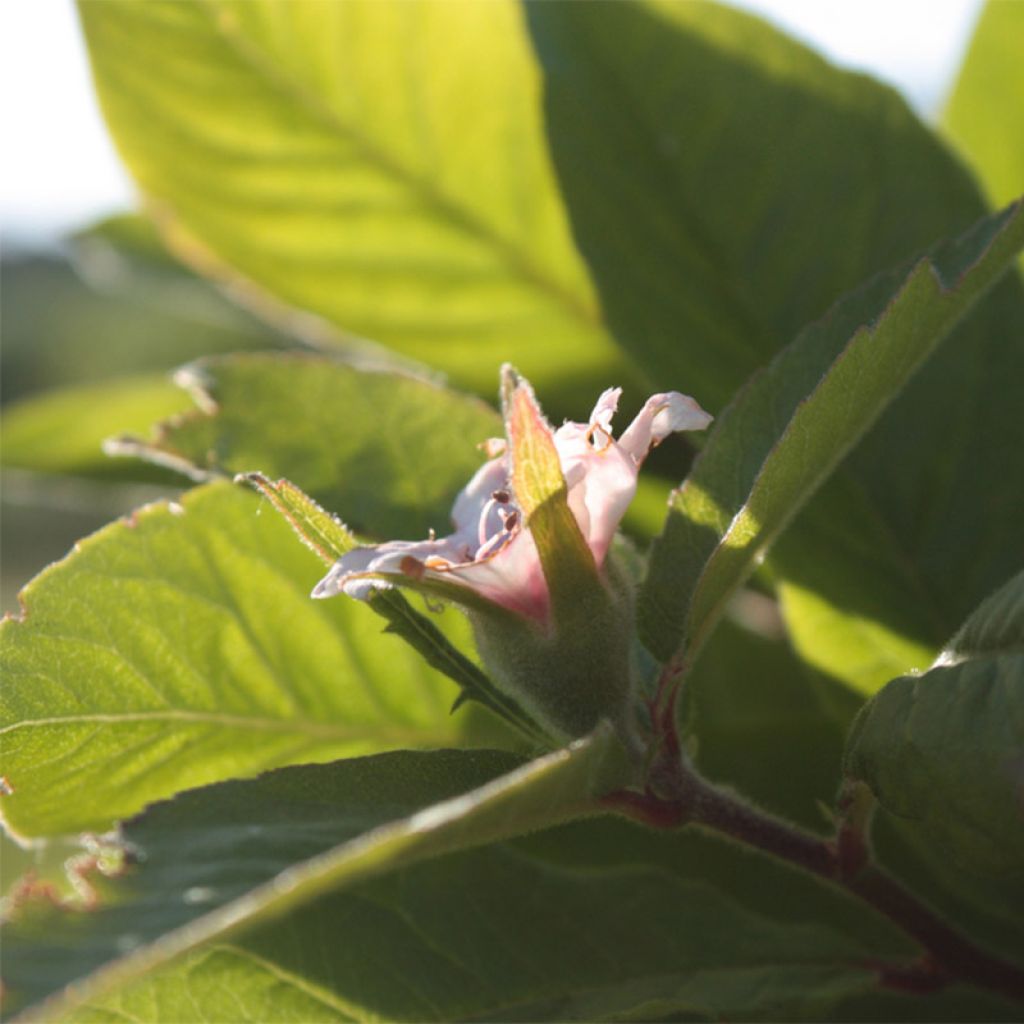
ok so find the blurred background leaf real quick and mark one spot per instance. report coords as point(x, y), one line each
point(63, 430)
point(982, 115)
point(90, 335)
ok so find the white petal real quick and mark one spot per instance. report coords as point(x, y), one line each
point(662, 415)
point(490, 477)
point(605, 409)
point(345, 576)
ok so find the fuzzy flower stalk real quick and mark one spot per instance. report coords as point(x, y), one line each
point(531, 557)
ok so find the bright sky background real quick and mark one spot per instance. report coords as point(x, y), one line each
point(59, 169)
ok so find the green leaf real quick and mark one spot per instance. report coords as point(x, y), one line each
point(419, 946)
point(325, 535)
point(320, 152)
point(387, 452)
point(749, 187)
point(753, 185)
point(241, 853)
point(181, 647)
point(656, 937)
point(791, 426)
point(63, 431)
point(944, 749)
point(983, 113)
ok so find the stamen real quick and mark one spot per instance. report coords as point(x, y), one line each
point(493, 447)
point(495, 544)
point(436, 562)
point(481, 529)
point(502, 497)
point(412, 567)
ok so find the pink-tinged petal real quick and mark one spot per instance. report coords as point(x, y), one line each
point(662, 415)
point(512, 577)
point(607, 491)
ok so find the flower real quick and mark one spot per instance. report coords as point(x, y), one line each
point(492, 554)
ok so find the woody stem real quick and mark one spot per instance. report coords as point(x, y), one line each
point(686, 798)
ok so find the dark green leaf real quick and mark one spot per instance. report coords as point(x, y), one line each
point(790, 427)
point(761, 722)
point(240, 853)
point(945, 750)
point(726, 186)
point(725, 183)
point(614, 944)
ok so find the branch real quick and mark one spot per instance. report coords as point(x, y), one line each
point(950, 956)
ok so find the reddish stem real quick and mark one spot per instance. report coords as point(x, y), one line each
point(949, 955)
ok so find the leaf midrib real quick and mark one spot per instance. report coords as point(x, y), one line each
point(317, 730)
point(459, 216)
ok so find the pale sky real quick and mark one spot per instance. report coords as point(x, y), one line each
point(59, 170)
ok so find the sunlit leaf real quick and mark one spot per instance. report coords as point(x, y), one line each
point(983, 113)
point(181, 647)
point(385, 452)
point(381, 165)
